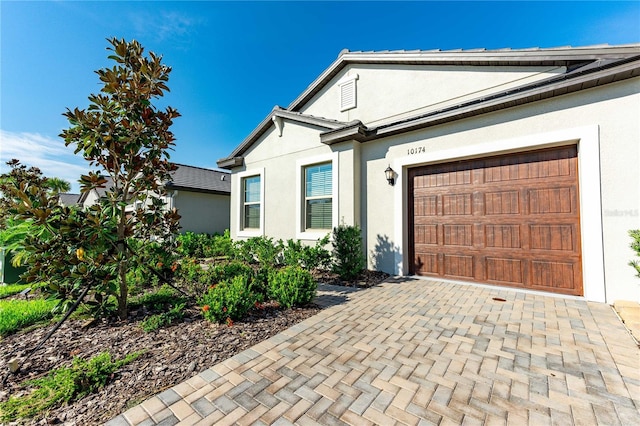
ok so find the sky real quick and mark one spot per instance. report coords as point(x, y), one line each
point(232, 62)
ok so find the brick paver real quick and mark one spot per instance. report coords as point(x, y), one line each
point(422, 352)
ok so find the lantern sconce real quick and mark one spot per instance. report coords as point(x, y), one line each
point(390, 175)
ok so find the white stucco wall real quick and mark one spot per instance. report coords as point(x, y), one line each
point(202, 212)
point(391, 92)
point(603, 122)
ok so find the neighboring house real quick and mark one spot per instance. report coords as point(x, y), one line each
point(200, 195)
point(508, 167)
point(68, 199)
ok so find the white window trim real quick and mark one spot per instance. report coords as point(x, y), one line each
point(348, 79)
point(240, 232)
point(587, 139)
point(301, 232)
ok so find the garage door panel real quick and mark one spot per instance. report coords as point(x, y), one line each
point(456, 265)
point(511, 220)
point(505, 270)
point(503, 236)
point(552, 200)
point(560, 237)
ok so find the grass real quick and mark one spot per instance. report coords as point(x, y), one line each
point(18, 314)
point(63, 385)
point(11, 289)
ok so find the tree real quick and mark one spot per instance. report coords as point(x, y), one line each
point(88, 252)
point(57, 185)
point(128, 138)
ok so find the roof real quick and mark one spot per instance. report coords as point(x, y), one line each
point(197, 179)
point(586, 67)
point(184, 178)
point(68, 199)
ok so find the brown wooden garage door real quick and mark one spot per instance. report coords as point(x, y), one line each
point(510, 220)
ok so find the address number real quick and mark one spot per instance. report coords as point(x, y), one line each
point(416, 150)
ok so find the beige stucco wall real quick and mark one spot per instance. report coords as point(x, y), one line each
point(385, 93)
point(611, 111)
point(201, 212)
point(603, 122)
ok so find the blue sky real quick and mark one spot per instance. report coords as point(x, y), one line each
point(234, 61)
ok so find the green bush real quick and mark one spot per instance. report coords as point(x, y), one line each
point(219, 245)
point(291, 286)
point(18, 314)
point(154, 322)
point(63, 385)
point(157, 300)
point(229, 299)
point(205, 245)
point(347, 251)
point(227, 271)
point(259, 250)
point(295, 253)
point(635, 246)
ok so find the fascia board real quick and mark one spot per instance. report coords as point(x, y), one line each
point(479, 106)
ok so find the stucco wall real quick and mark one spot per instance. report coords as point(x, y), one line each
point(603, 122)
point(202, 213)
point(611, 112)
point(385, 93)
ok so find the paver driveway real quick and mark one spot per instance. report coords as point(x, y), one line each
point(422, 352)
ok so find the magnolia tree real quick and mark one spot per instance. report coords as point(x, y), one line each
point(126, 138)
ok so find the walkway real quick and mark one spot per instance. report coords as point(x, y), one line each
point(422, 352)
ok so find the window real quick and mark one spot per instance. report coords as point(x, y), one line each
point(251, 202)
point(318, 181)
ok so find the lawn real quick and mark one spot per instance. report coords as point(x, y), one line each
point(17, 314)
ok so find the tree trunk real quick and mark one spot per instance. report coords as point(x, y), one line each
point(122, 268)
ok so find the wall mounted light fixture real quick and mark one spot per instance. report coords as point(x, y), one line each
point(390, 175)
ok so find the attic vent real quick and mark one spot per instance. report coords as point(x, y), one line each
point(348, 92)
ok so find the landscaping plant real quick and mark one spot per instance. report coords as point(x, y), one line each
point(635, 246)
point(63, 385)
point(230, 299)
point(127, 139)
point(291, 286)
point(17, 314)
point(349, 260)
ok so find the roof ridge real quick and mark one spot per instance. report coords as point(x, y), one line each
point(201, 168)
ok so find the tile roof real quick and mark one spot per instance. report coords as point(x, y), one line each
point(586, 66)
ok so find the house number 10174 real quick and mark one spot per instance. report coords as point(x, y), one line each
point(416, 150)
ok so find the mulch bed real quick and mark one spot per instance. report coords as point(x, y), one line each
point(171, 354)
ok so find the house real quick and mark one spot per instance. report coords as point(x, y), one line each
point(514, 167)
point(200, 195)
point(68, 199)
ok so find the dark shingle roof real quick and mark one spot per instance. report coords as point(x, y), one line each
point(190, 178)
point(67, 199)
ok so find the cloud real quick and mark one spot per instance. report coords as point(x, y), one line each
point(51, 156)
point(173, 27)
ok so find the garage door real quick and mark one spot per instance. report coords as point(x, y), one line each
point(509, 220)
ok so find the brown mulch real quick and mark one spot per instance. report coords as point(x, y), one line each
point(171, 354)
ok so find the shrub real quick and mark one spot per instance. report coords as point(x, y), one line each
point(259, 250)
point(154, 322)
point(63, 385)
point(157, 300)
point(291, 286)
point(635, 246)
point(229, 299)
point(295, 253)
point(228, 271)
point(219, 245)
point(347, 251)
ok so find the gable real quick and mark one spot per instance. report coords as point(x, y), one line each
point(401, 91)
